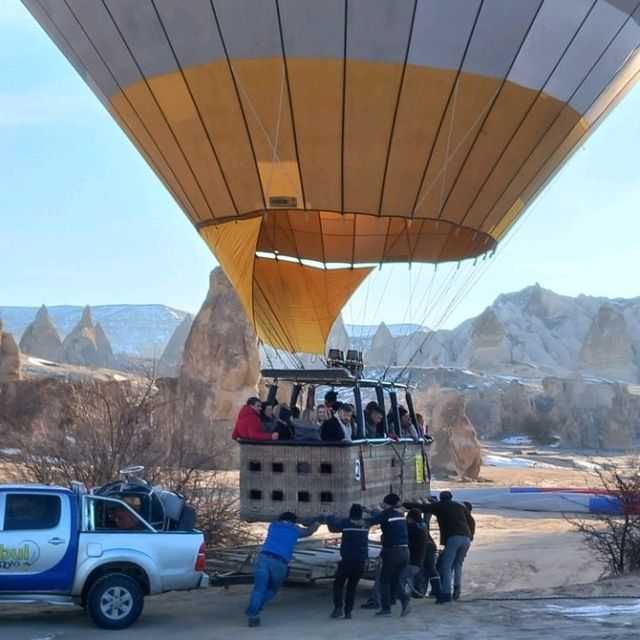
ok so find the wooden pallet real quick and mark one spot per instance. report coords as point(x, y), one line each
point(312, 560)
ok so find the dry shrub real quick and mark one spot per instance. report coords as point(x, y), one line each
point(615, 539)
point(539, 427)
point(107, 426)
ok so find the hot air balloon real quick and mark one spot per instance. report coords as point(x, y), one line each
point(303, 135)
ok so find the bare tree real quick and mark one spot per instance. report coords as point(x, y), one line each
point(106, 426)
point(614, 538)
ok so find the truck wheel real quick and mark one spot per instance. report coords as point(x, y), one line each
point(115, 601)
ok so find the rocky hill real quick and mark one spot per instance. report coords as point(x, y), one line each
point(533, 333)
point(135, 331)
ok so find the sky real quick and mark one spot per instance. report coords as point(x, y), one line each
point(83, 220)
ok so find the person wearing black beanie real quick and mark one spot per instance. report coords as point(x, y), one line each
point(354, 551)
point(395, 554)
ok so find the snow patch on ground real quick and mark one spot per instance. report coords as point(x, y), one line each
point(583, 464)
point(596, 611)
point(517, 440)
point(493, 460)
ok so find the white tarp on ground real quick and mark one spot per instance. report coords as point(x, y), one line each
point(536, 499)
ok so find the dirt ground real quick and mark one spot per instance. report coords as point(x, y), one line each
point(516, 558)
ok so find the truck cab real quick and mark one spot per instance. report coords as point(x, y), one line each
point(38, 539)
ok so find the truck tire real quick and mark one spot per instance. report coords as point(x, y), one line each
point(115, 601)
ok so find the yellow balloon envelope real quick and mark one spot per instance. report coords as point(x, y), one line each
point(297, 134)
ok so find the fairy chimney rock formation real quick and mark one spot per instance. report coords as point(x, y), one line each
point(220, 363)
point(10, 366)
point(80, 346)
point(338, 337)
point(383, 346)
point(103, 348)
point(489, 345)
point(41, 338)
point(607, 348)
point(171, 358)
point(456, 449)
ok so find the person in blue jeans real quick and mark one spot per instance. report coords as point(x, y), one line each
point(457, 528)
point(272, 564)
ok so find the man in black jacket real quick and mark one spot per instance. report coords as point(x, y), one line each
point(457, 528)
point(418, 541)
point(354, 551)
point(338, 427)
point(395, 553)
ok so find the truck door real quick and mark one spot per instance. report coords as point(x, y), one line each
point(38, 541)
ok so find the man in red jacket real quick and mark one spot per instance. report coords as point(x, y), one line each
point(249, 426)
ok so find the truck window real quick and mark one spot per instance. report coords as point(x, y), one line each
point(107, 514)
point(31, 511)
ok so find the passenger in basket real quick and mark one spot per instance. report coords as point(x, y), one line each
point(374, 427)
point(338, 428)
point(272, 563)
point(407, 428)
point(321, 414)
point(266, 415)
point(354, 552)
point(331, 401)
point(423, 428)
point(282, 417)
point(307, 430)
point(249, 426)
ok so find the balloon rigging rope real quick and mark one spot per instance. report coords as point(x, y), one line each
point(274, 156)
point(455, 151)
point(384, 290)
point(273, 147)
point(364, 310)
point(472, 278)
point(446, 155)
point(427, 304)
point(448, 283)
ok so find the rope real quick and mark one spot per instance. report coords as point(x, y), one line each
point(266, 353)
point(443, 292)
point(277, 134)
point(446, 154)
point(455, 151)
point(471, 280)
point(265, 132)
point(364, 311)
point(553, 597)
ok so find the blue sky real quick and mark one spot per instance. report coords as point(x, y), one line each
point(84, 221)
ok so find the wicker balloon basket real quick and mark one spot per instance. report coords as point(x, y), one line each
point(315, 478)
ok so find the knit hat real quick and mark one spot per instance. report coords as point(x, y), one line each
point(355, 513)
point(415, 515)
point(392, 499)
point(288, 516)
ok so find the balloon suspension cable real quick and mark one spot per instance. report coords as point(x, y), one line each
point(476, 274)
point(265, 133)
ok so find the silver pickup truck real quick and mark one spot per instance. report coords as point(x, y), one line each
point(102, 552)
